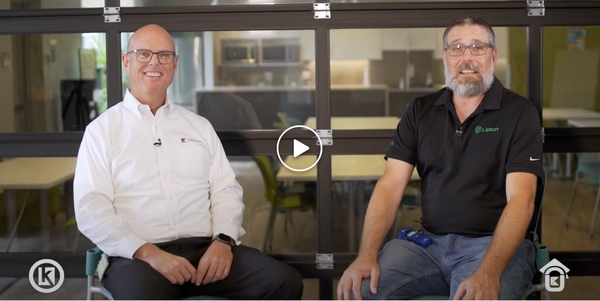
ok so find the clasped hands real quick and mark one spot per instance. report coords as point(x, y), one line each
point(213, 266)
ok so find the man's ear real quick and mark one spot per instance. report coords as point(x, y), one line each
point(125, 60)
point(175, 61)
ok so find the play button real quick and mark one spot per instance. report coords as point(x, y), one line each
point(299, 148)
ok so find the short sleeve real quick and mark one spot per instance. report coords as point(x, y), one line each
point(404, 144)
point(526, 146)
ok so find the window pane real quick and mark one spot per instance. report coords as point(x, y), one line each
point(354, 178)
point(47, 199)
point(571, 76)
point(378, 72)
point(51, 82)
point(37, 4)
point(568, 212)
point(230, 79)
point(39, 190)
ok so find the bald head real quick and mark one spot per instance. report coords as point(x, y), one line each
point(152, 65)
point(148, 33)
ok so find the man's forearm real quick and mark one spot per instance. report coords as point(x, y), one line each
point(509, 235)
point(380, 216)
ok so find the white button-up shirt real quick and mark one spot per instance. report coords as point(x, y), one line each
point(129, 191)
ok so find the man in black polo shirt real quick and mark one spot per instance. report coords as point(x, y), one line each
point(477, 147)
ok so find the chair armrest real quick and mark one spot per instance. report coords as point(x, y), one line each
point(542, 255)
point(92, 258)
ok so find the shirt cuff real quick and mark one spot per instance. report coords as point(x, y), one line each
point(229, 230)
point(130, 245)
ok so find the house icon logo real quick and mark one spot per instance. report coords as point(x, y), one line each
point(556, 282)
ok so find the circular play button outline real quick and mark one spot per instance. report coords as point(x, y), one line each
point(320, 147)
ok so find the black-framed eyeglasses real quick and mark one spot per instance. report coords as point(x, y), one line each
point(145, 56)
point(475, 48)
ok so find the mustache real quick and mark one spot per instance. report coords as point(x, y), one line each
point(467, 66)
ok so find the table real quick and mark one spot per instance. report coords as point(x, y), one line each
point(582, 123)
point(358, 123)
point(34, 174)
point(566, 114)
point(561, 114)
point(354, 169)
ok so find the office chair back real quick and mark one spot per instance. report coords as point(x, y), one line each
point(266, 169)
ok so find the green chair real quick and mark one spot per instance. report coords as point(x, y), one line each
point(92, 258)
point(283, 199)
point(542, 253)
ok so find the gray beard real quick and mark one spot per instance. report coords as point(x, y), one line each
point(469, 87)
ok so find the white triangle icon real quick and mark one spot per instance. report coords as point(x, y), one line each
point(299, 148)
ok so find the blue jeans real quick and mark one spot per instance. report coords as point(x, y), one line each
point(408, 270)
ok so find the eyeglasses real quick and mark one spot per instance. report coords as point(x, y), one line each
point(475, 48)
point(145, 56)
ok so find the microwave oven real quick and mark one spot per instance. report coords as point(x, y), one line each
point(283, 51)
point(240, 51)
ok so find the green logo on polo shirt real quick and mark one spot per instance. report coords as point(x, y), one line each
point(480, 129)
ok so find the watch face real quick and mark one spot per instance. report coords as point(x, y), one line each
point(225, 238)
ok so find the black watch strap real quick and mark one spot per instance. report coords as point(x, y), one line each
point(225, 239)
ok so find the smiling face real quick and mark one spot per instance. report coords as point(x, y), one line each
point(469, 75)
point(152, 77)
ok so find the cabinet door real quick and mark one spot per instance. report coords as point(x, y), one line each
point(394, 39)
point(355, 44)
point(341, 44)
point(307, 45)
point(367, 44)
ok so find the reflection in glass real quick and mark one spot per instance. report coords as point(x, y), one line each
point(244, 80)
point(378, 72)
point(51, 82)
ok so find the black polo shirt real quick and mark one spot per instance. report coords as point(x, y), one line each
point(463, 167)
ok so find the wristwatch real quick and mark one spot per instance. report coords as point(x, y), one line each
point(226, 239)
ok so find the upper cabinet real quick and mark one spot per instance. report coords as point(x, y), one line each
point(356, 44)
point(405, 39)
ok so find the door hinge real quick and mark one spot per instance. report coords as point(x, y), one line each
point(111, 15)
point(322, 11)
point(324, 261)
point(536, 8)
point(326, 136)
point(543, 135)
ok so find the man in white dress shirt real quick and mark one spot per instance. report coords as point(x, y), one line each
point(154, 190)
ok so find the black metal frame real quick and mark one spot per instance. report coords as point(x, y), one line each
point(295, 17)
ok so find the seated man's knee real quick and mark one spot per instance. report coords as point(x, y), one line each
point(284, 282)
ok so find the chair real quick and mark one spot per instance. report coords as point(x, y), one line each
point(92, 258)
point(285, 121)
point(283, 199)
point(542, 252)
point(588, 166)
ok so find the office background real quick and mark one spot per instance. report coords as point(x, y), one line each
point(255, 67)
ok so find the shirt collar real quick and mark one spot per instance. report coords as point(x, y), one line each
point(136, 107)
point(491, 101)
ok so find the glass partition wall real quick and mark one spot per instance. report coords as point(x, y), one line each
point(255, 70)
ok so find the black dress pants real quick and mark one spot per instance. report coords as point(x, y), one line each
point(253, 275)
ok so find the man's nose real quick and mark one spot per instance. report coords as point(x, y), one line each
point(154, 59)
